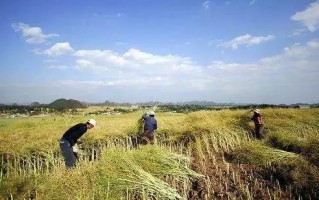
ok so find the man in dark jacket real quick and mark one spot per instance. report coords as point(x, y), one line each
point(259, 125)
point(150, 125)
point(68, 142)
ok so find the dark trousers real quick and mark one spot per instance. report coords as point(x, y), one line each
point(259, 128)
point(67, 152)
point(150, 135)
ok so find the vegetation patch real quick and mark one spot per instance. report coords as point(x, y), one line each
point(288, 168)
point(197, 155)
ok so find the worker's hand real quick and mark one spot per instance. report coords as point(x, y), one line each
point(75, 148)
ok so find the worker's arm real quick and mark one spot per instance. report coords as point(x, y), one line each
point(144, 116)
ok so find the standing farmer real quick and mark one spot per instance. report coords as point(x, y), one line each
point(150, 125)
point(68, 141)
point(259, 125)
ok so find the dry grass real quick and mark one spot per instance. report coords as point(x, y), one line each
point(32, 165)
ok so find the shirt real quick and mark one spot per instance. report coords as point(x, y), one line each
point(74, 133)
point(257, 119)
point(150, 123)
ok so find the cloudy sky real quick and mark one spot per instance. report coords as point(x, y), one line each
point(247, 51)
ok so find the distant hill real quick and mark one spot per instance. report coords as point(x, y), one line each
point(62, 104)
point(35, 104)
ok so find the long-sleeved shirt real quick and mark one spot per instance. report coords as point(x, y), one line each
point(150, 123)
point(74, 133)
point(257, 119)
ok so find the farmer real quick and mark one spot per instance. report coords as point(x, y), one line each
point(259, 125)
point(150, 125)
point(68, 141)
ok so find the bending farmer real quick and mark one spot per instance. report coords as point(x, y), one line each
point(150, 125)
point(68, 141)
point(259, 125)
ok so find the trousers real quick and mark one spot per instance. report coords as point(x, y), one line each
point(259, 128)
point(67, 152)
point(150, 135)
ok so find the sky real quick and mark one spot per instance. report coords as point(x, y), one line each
point(240, 51)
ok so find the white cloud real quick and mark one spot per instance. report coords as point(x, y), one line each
point(33, 35)
point(313, 44)
point(138, 68)
point(252, 2)
point(280, 76)
point(291, 70)
point(133, 61)
point(50, 61)
point(247, 40)
point(309, 17)
point(58, 49)
point(296, 59)
point(206, 5)
point(288, 77)
point(86, 84)
point(58, 67)
point(98, 61)
point(106, 83)
point(300, 31)
point(138, 57)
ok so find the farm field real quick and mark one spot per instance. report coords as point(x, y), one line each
point(198, 155)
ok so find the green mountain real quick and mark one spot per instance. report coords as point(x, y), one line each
point(63, 104)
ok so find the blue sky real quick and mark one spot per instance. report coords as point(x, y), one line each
point(247, 51)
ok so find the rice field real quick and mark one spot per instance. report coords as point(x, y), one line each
point(199, 155)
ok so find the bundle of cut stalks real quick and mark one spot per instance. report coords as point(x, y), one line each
point(144, 171)
point(256, 153)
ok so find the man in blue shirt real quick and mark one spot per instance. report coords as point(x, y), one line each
point(150, 125)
